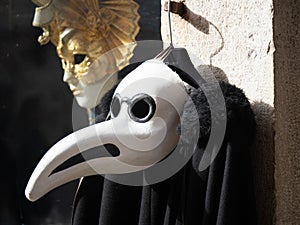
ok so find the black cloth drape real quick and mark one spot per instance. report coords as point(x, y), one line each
point(221, 194)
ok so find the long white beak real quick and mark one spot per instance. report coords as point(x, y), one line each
point(76, 156)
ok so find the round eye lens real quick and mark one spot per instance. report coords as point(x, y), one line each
point(142, 109)
point(115, 106)
point(78, 58)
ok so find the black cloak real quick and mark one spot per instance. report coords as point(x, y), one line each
point(221, 194)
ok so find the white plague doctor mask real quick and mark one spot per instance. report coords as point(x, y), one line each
point(144, 114)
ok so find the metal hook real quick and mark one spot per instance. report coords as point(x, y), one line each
point(165, 53)
point(170, 23)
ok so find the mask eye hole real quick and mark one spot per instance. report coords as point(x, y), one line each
point(78, 58)
point(142, 108)
point(115, 106)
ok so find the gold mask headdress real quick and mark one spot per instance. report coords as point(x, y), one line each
point(87, 32)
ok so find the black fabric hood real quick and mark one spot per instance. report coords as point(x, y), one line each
point(240, 127)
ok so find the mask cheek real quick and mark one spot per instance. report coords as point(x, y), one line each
point(89, 94)
point(142, 137)
point(140, 131)
point(80, 70)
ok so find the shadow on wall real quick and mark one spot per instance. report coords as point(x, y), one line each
point(263, 155)
point(286, 30)
point(198, 21)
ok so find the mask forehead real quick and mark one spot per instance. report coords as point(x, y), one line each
point(156, 79)
point(76, 42)
point(73, 41)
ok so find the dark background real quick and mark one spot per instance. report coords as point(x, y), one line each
point(36, 111)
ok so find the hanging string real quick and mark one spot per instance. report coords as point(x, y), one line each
point(170, 23)
point(165, 52)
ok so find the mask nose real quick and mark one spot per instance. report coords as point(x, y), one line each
point(68, 77)
point(68, 68)
point(73, 83)
point(78, 155)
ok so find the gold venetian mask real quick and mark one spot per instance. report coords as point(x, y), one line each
point(94, 38)
point(88, 60)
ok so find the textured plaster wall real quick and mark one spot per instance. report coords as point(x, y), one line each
point(243, 28)
point(237, 37)
point(287, 110)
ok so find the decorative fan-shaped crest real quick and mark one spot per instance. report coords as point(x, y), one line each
point(113, 24)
